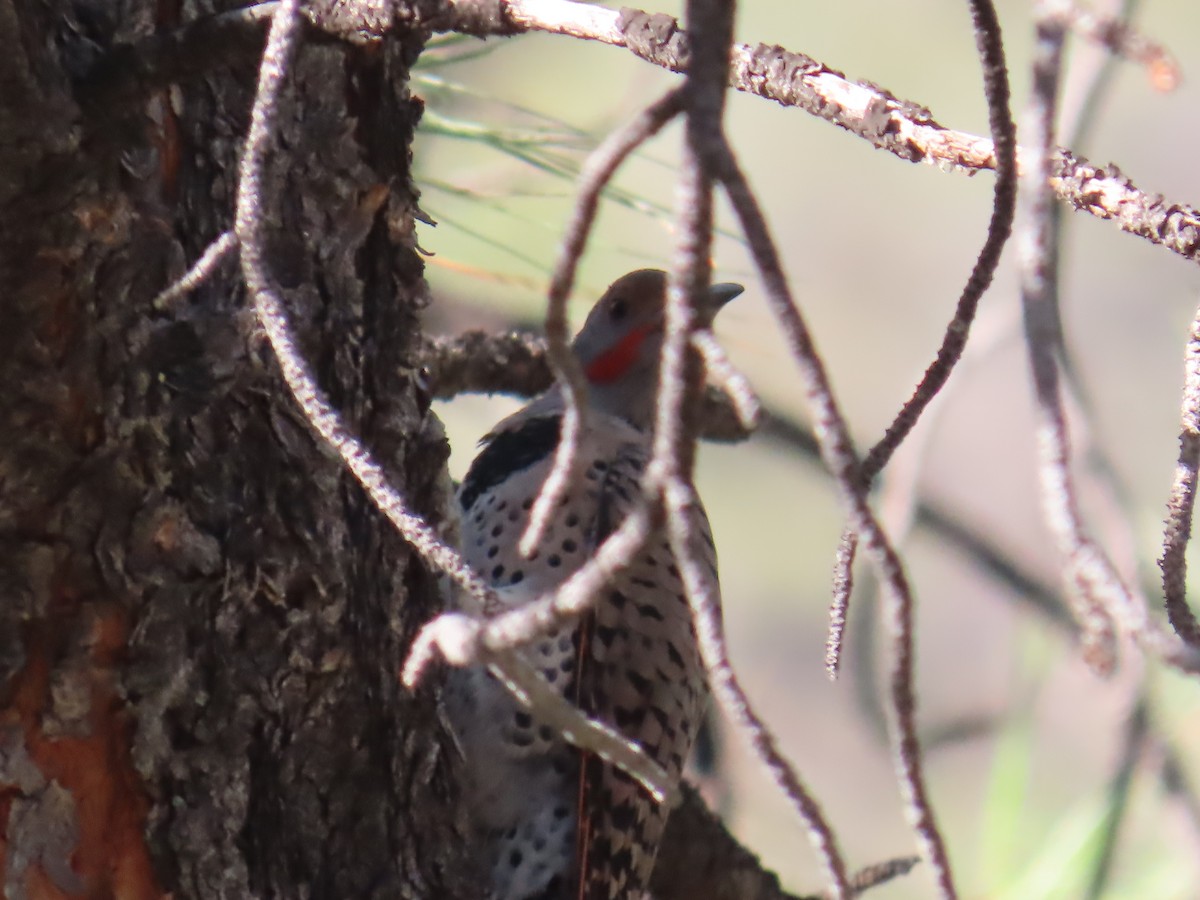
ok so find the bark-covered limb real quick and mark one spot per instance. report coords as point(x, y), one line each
point(902, 128)
point(514, 363)
point(700, 860)
point(480, 362)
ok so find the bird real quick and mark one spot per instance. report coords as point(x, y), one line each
point(554, 823)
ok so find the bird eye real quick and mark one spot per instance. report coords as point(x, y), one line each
point(618, 309)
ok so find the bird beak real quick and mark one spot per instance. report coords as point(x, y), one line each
point(720, 294)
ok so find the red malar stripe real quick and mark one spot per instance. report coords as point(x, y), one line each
point(612, 364)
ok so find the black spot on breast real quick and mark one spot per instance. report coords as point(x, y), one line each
point(640, 683)
point(629, 719)
point(622, 860)
point(623, 816)
point(649, 611)
point(507, 453)
point(674, 655)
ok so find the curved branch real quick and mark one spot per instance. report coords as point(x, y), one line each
point(904, 129)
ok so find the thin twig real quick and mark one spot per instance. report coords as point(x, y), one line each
point(1120, 38)
point(837, 451)
point(202, 269)
point(526, 683)
point(457, 639)
point(728, 380)
point(517, 627)
point(990, 46)
point(669, 473)
point(734, 700)
point(698, 860)
point(597, 172)
point(1078, 120)
point(1091, 578)
point(1183, 499)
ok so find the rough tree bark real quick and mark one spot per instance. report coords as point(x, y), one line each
point(201, 615)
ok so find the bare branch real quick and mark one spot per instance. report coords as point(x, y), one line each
point(733, 698)
point(669, 473)
point(1183, 499)
point(515, 363)
point(728, 380)
point(990, 45)
point(201, 270)
point(1120, 38)
point(597, 172)
point(1090, 575)
point(904, 129)
point(837, 451)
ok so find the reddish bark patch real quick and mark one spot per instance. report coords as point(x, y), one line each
point(90, 758)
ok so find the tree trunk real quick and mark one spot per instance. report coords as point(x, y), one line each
point(202, 616)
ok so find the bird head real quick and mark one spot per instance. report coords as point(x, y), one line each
point(618, 346)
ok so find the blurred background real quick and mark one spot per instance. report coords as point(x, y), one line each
point(1027, 751)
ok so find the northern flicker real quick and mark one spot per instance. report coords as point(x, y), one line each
point(555, 826)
